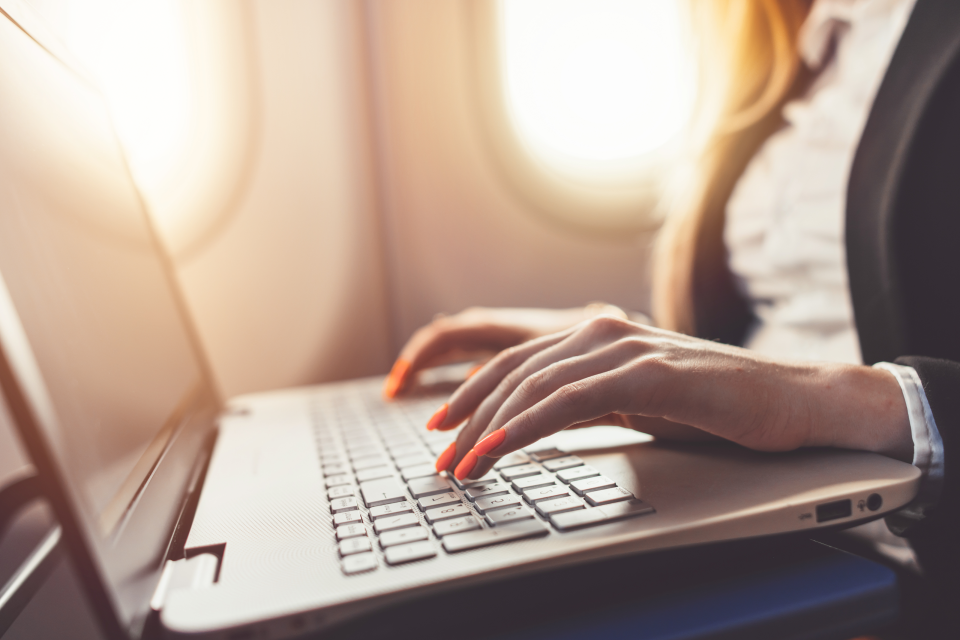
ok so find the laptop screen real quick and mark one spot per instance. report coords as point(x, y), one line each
point(90, 319)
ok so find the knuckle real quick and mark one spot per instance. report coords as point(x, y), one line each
point(656, 367)
point(634, 345)
point(606, 325)
point(510, 381)
point(531, 385)
point(570, 395)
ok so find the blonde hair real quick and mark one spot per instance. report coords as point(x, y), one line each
point(748, 67)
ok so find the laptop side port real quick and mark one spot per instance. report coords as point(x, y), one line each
point(834, 510)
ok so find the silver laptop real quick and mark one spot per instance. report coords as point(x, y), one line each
point(280, 513)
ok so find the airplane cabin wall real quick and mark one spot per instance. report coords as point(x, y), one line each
point(370, 135)
point(291, 291)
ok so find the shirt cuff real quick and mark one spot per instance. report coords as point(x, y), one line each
point(927, 447)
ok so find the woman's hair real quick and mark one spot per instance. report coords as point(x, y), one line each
point(748, 64)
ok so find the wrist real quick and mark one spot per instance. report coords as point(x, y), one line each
point(861, 408)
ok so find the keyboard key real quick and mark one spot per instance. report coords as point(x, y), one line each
point(354, 545)
point(545, 493)
point(350, 531)
point(496, 502)
point(381, 492)
point(487, 478)
point(577, 473)
point(335, 469)
point(606, 496)
point(347, 517)
point(445, 513)
point(428, 486)
point(486, 491)
point(356, 455)
point(419, 471)
point(359, 563)
point(559, 505)
point(412, 460)
point(532, 482)
point(409, 552)
point(512, 460)
point(342, 491)
point(580, 487)
point(403, 536)
point(370, 462)
point(503, 516)
point(394, 509)
point(396, 522)
point(400, 451)
point(336, 481)
point(356, 440)
point(455, 525)
point(521, 471)
point(374, 473)
point(609, 513)
point(546, 454)
point(485, 537)
point(343, 504)
point(562, 463)
point(439, 500)
point(331, 458)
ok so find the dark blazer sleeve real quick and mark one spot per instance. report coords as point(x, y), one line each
point(903, 221)
point(936, 538)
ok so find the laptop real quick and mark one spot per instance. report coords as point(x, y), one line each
point(282, 513)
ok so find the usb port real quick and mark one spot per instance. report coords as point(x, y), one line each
point(834, 510)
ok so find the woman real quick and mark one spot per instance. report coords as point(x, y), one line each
point(758, 256)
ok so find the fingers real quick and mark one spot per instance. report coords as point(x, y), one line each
point(503, 377)
point(472, 393)
point(442, 340)
point(498, 437)
point(530, 382)
point(583, 401)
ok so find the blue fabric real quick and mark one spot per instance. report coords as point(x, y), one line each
point(843, 593)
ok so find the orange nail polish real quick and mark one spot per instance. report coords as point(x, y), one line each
point(394, 381)
point(437, 419)
point(474, 371)
point(490, 443)
point(466, 465)
point(445, 458)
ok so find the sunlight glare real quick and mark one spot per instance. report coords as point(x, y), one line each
point(595, 81)
point(137, 55)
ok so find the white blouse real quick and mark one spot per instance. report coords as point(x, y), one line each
point(785, 219)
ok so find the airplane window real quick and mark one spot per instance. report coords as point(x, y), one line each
point(586, 104)
point(595, 82)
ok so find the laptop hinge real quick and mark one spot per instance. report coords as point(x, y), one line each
point(197, 572)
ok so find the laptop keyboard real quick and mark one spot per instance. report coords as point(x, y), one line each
point(389, 505)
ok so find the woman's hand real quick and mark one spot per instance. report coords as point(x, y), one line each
point(669, 385)
point(480, 332)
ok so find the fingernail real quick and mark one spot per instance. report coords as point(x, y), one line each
point(400, 370)
point(437, 419)
point(474, 371)
point(490, 443)
point(466, 465)
point(445, 458)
